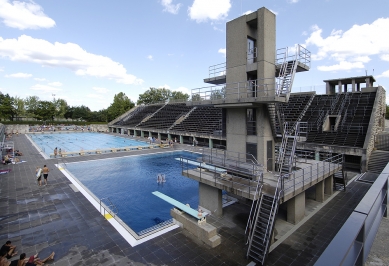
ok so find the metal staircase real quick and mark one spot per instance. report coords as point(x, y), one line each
point(287, 69)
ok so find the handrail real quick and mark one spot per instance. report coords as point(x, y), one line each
point(258, 191)
point(217, 70)
point(111, 208)
point(216, 172)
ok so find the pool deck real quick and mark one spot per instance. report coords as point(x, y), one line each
point(56, 218)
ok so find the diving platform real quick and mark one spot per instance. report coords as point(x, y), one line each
point(309, 173)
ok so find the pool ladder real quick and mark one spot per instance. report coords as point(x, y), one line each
point(108, 208)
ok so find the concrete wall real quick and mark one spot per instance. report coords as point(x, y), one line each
point(236, 130)
point(21, 129)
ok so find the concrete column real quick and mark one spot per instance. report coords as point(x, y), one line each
point(296, 208)
point(159, 136)
point(135, 133)
point(320, 191)
point(317, 156)
point(210, 198)
point(150, 134)
point(210, 143)
point(328, 88)
point(181, 139)
point(368, 82)
point(353, 85)
point(339, 86)
point(329, 185)
point(169, 137)
point(142, 133)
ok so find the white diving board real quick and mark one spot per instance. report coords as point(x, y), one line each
point(205, 166)
point(180, 205)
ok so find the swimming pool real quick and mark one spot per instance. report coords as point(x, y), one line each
point(128, 183)
point(74, 142)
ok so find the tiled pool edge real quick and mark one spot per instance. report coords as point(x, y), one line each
point(120, 228)
point(37, 147)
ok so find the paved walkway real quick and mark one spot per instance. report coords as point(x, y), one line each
point(55, 218)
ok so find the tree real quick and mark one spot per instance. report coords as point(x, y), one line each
point(61, 106)
point(18, 104)
point(154, 95)
point(45, 110)
point(7, 110)
point(31, 105)
point(121, 104)
point(81, 112)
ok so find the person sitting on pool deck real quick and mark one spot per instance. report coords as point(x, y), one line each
point(18, 153)
point(8, 249)
point(55, 152)
point(20, 262)
point(34, 260)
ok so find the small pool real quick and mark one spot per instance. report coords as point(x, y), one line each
point(129, 181)
point(74, 142)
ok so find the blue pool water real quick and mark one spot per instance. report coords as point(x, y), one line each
point(72, 142)
point(129, 181)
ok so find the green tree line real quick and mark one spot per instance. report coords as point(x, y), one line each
point(13, 108)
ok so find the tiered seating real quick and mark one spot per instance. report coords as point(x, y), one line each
point(138, 115)
point(204, 120)
point(293, 108)
point(166, 116)
point(355, 116)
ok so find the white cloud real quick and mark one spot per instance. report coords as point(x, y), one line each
point(351, 48)
point(216, 28)
point(95, 96)
point(293, 1)
point(183, 90)
point(150, 57)
point(385, 57)
point(56, 84)
point(222, 51)
point(385, 74)
point(164, 86)
point(202, 10)
point(19, 75)
point(169, 7)
point(24, 15)
point(100, 90)
point(44, 88)
point(274, 12)
point(248, 12)
point(343, 65)
point(40, 79)
point(68, 55)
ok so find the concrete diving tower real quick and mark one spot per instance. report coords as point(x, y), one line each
point(217, 171)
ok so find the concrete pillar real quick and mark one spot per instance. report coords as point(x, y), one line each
point(339, 86)
point(328, 88)
point(317, 155)
point(181, 139)
point(169, 137)
point(150, 135)
point(135, 133)
point(210, 143)
point(159, 136)
point(329, 185)
point(296, 208)
point(368, 82)
point(210, 198)
point(353, 85)
point(320, 191)
point(142, 133)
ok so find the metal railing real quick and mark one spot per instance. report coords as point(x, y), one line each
point(299, 178)
point(245, 186)
point(352, 243)
point(238, 90)
point(299, 53)
point(108, 208)
point(252, 55)
point(217, 70)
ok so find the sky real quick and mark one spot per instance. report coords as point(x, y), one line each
point(87, 51)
